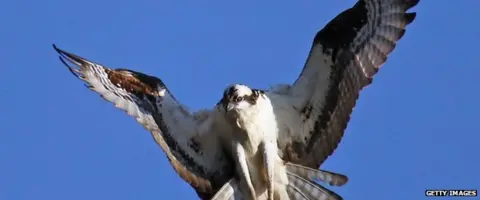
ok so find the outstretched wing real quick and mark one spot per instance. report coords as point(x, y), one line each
point(344, 57)
point(196, 156)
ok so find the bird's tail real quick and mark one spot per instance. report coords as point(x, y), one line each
point(229, 191)
point(302, 185)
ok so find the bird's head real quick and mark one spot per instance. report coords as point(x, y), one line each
point(239, 97)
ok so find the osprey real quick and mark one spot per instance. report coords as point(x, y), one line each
point(262, 173)
point(254, 141)
point(311, 114)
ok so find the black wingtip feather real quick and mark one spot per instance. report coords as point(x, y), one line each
point(77, 60)
point(410, 17)
point(58, 50)
point(412, 3)
point(70, 68)
point(70, 58)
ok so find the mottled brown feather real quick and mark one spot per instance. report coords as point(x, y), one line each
point(125, 80)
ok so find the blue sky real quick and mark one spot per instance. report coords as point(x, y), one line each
point(414, 128)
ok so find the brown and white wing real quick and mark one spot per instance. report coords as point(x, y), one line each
point(198, 157)
point(344, 57)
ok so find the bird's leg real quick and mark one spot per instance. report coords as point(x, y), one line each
point(269, 153)
point(242, 169)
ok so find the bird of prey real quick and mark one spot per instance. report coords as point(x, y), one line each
point(254, 142)
point(261, 172)
point(311, 114)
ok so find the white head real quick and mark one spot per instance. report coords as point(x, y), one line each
point(239, 97)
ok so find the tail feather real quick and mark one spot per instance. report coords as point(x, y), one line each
point(301, 186)
point(295, 194)
point(330, 178)
point(311, 189)
point(227, 191)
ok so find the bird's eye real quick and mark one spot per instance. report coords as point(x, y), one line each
point(238, 99)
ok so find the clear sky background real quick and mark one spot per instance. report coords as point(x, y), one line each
point(414, 128)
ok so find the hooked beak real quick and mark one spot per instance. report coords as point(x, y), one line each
point(229, 107)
